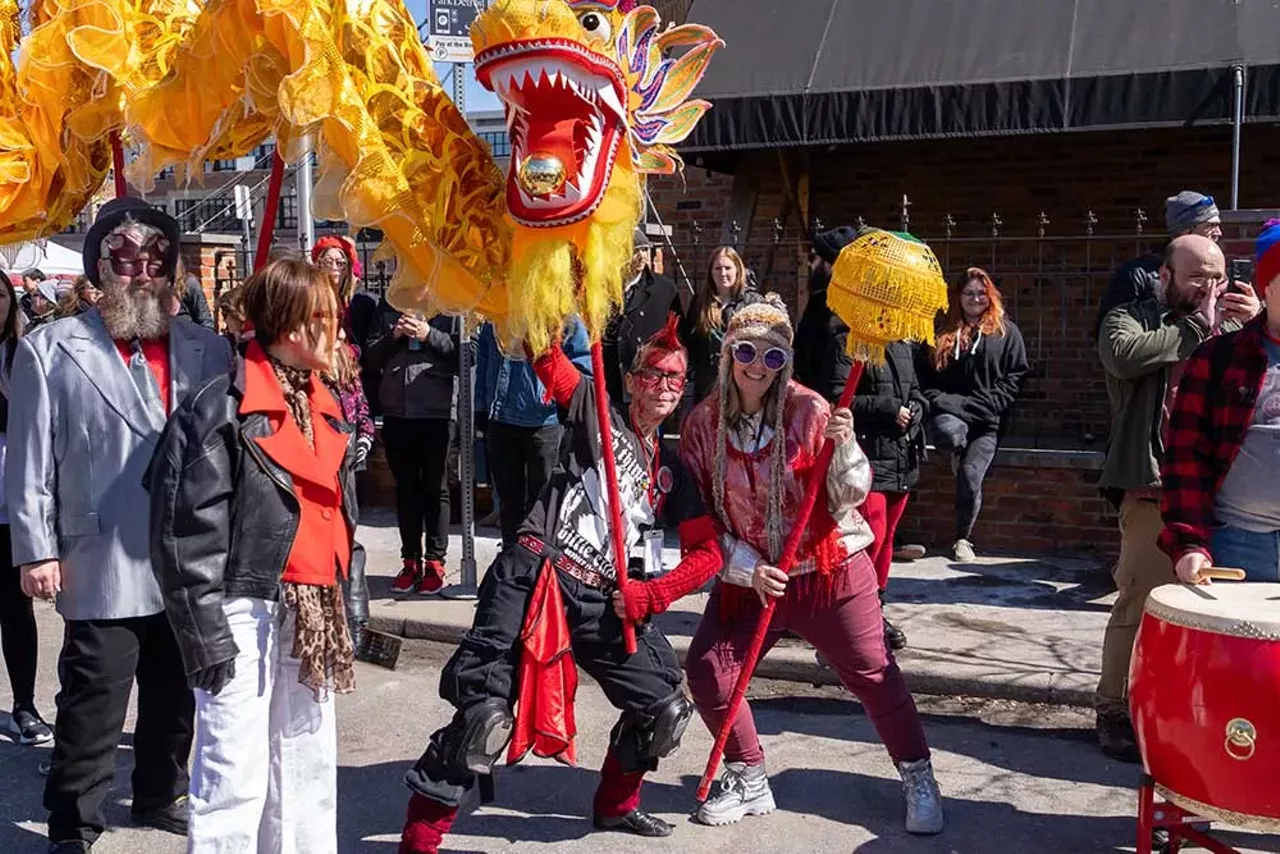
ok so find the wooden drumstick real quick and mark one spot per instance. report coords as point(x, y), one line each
point(1223, 573)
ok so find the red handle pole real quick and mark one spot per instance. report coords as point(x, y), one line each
point(268, 230)
point(611, 476)
point(817, 481)
point(117, 165)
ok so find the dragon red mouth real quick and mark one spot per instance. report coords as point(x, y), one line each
point(563, 101)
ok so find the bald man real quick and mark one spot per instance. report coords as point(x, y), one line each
point(1142, 346)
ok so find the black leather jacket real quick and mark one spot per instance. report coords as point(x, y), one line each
point(224, 516)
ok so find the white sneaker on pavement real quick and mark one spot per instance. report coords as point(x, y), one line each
point(962, 551)
point(742, 790)
point(924, 801)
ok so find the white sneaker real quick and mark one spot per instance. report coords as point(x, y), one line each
point(924, 801)
point(743, 790)
point(962, 551)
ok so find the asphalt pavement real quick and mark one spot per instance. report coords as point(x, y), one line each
point(1017, 763)
point(1016, 777)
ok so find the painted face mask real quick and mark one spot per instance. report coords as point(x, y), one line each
point(134, 251)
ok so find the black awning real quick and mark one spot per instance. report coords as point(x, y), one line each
point(808, 72)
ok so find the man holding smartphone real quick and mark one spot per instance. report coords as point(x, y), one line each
point(1143, 346)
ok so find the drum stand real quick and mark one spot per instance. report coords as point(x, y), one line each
point(1182, 826)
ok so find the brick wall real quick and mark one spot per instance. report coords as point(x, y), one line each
point(1025, 508)
point(1052, 281)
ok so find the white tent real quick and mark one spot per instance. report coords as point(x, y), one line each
point(50, 258)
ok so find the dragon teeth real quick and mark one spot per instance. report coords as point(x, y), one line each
point(609, 96)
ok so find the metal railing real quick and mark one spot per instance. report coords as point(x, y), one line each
point(1052, 280)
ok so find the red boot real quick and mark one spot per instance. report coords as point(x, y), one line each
point(425, 826)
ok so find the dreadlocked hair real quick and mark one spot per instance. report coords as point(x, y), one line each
point(730, 416)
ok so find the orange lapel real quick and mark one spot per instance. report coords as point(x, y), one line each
point(287, 445)
point(331, 445)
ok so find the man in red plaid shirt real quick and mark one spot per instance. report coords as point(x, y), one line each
point(1220, 501)
point(1142, 346)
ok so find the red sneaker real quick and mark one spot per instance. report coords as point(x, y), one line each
point(432, 578)
point(408, 578)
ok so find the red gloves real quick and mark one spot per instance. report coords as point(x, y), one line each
point(701, 560)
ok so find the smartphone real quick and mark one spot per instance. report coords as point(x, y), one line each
point(1239, 270)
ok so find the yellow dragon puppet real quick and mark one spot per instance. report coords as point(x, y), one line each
point(595, 93)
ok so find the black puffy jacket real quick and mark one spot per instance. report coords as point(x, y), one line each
point(224, 516)
point(894, 452)
point(821, 361)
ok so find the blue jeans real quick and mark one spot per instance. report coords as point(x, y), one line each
point(1257, 554)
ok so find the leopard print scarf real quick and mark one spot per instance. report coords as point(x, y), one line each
point(321, 642)
point(295, 383)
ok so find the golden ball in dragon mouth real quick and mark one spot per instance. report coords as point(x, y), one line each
point(542, 174)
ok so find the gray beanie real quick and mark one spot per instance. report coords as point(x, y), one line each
point(1186, 210)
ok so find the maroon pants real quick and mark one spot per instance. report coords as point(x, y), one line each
point(883, 511)
point(844, 623)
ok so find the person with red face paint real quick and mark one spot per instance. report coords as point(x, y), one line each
point(89, 397)
point(523, 645)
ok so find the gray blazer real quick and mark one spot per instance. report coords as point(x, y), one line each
point(80, 438)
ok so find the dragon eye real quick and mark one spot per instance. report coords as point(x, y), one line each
point(595, 24)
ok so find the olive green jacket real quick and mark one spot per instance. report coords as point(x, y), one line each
point(1138, 344)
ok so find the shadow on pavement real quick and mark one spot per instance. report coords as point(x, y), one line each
point(556, 798)
point(1017, 749)
point(1016, 584)
point(23, 785)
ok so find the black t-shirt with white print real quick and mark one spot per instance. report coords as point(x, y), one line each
point(572, 513)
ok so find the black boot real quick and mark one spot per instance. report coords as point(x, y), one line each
point(1116, 737)
point(171, 818)
point(894, 637)
point(637, 821)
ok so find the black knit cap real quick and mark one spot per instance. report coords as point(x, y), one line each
point(827, 244)
point(113, 214)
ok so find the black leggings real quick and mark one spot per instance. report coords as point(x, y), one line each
point(976, 449)
point(17, 629)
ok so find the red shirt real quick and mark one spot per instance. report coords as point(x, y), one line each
point(156, 351)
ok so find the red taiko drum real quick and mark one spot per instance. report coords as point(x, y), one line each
point(1204, 692)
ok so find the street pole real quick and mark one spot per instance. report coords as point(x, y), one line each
point(466, 417)
point(1237, 123)
point(306, 224)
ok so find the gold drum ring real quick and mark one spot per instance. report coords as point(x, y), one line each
point(1242, 740)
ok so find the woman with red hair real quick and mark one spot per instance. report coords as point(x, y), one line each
point(971, 378)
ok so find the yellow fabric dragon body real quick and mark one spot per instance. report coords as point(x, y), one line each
point(593, 90)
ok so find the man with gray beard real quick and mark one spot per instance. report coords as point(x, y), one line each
point(91, 395)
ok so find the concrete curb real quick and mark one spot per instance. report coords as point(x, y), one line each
point(926, 672)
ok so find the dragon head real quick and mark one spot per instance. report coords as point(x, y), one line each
point(585, 86)
point(594, 98)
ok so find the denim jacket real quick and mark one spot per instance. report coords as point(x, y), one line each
point(507, 389)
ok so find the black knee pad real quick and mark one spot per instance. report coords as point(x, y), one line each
point(473, 741)
point(640, 739)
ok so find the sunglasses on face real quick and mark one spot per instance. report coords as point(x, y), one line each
point(652, 378)
point(339, 263)
point(774, 359)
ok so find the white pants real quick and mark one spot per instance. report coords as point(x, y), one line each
point(265, 775)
